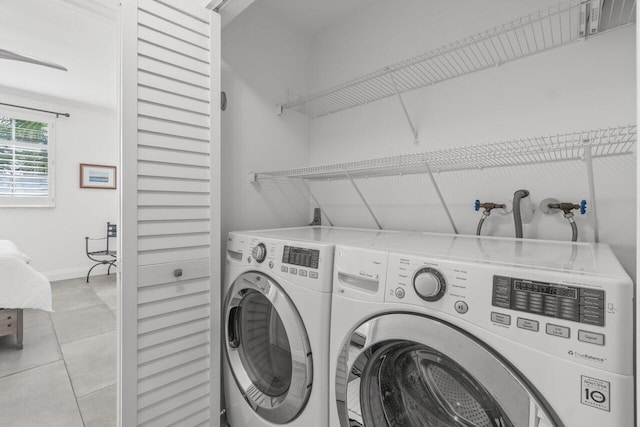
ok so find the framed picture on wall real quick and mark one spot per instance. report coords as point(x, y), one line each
point(97, 176)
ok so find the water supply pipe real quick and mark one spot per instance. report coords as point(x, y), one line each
point(488, 207)
point(517, 215)
point(552, 205)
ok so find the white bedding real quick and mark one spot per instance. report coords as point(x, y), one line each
point(20, 285)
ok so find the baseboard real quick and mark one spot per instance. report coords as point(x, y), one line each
point(65, 274)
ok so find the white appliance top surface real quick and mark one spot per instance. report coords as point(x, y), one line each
point(320, 234)
point(541, 254)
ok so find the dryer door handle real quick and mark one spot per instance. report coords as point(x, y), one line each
point(234, 327)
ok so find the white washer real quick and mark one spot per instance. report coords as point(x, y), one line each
point(440, 330)
point(277, 310)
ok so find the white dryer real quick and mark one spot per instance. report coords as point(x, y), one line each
point(276, 318)
point(440, 330)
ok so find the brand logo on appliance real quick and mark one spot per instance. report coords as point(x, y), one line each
point(365, 274)
point(585, 356)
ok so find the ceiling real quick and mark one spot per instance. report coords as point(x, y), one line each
point(80, 35)
point(313, 16)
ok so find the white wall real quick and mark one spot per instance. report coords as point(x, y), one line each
point(54, 237)
point(262, 60)
point(586, 85)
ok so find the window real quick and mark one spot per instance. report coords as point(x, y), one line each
point(26, 161)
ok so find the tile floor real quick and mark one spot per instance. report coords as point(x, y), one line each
point(66, 373)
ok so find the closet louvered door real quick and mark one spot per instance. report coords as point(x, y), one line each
point(169, 354)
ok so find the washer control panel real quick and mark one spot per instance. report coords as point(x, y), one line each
point(575, 316)
point(572, 303)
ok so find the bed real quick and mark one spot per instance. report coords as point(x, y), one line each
point(21, 287)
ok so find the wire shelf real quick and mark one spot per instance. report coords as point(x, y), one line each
point(537, 32)
point(552, 148)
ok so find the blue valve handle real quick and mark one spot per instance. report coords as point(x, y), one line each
point(476, 205)
point(583, 207)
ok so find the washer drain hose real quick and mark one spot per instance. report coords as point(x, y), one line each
point(517, 216)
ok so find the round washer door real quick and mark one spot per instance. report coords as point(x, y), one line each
point(267, 348)
point(412, 370)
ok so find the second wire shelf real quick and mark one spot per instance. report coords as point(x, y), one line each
point(551, 148)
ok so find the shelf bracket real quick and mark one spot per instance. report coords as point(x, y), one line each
point(363, 199)
point(588, 159)
point(416, 141)
point(308, 188)
point(444, 204)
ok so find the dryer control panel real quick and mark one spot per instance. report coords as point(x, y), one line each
point(551, 300)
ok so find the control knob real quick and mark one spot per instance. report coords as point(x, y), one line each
point(259, 252)
point(429, 284)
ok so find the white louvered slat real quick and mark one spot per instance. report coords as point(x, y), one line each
point(158, 96)
point(167, 334)
point(173, 115)
point(171, 43)
point(177, 255)
point(173, 199)
point(153, 154)
point(150, 213)
point(192, 18)
point(166, 407)
point(173, 128)
point(171, 305)
point(173, 29)
point(171, 290)
point(170, 264)
point(145, 385)
point(148, 355)
point(154, 66)
point(165, 320)
point(180, 358)
point(173, 171)
point(152, 139)
point(148, 50)
point(175, 241)
point(181, 386)
point(196, 420)
point(177, 416)
point(193, 9)
point(171, 85)
point(179, 227)
point(173, 184)
point(200, 419)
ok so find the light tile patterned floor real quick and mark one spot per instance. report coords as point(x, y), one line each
point(66, 373)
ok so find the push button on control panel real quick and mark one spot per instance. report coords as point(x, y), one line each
point(293, 270)
point(503, 319)
point(528, 324)
point(591, 337)
point(461, 307)
point(399, 293)
point(313, 274)
point(558, 331)
point(302, 273)
point(284, 269)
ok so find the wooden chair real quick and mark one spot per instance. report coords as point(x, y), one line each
point(106, 256)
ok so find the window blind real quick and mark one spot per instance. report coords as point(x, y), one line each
point(25, 162)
